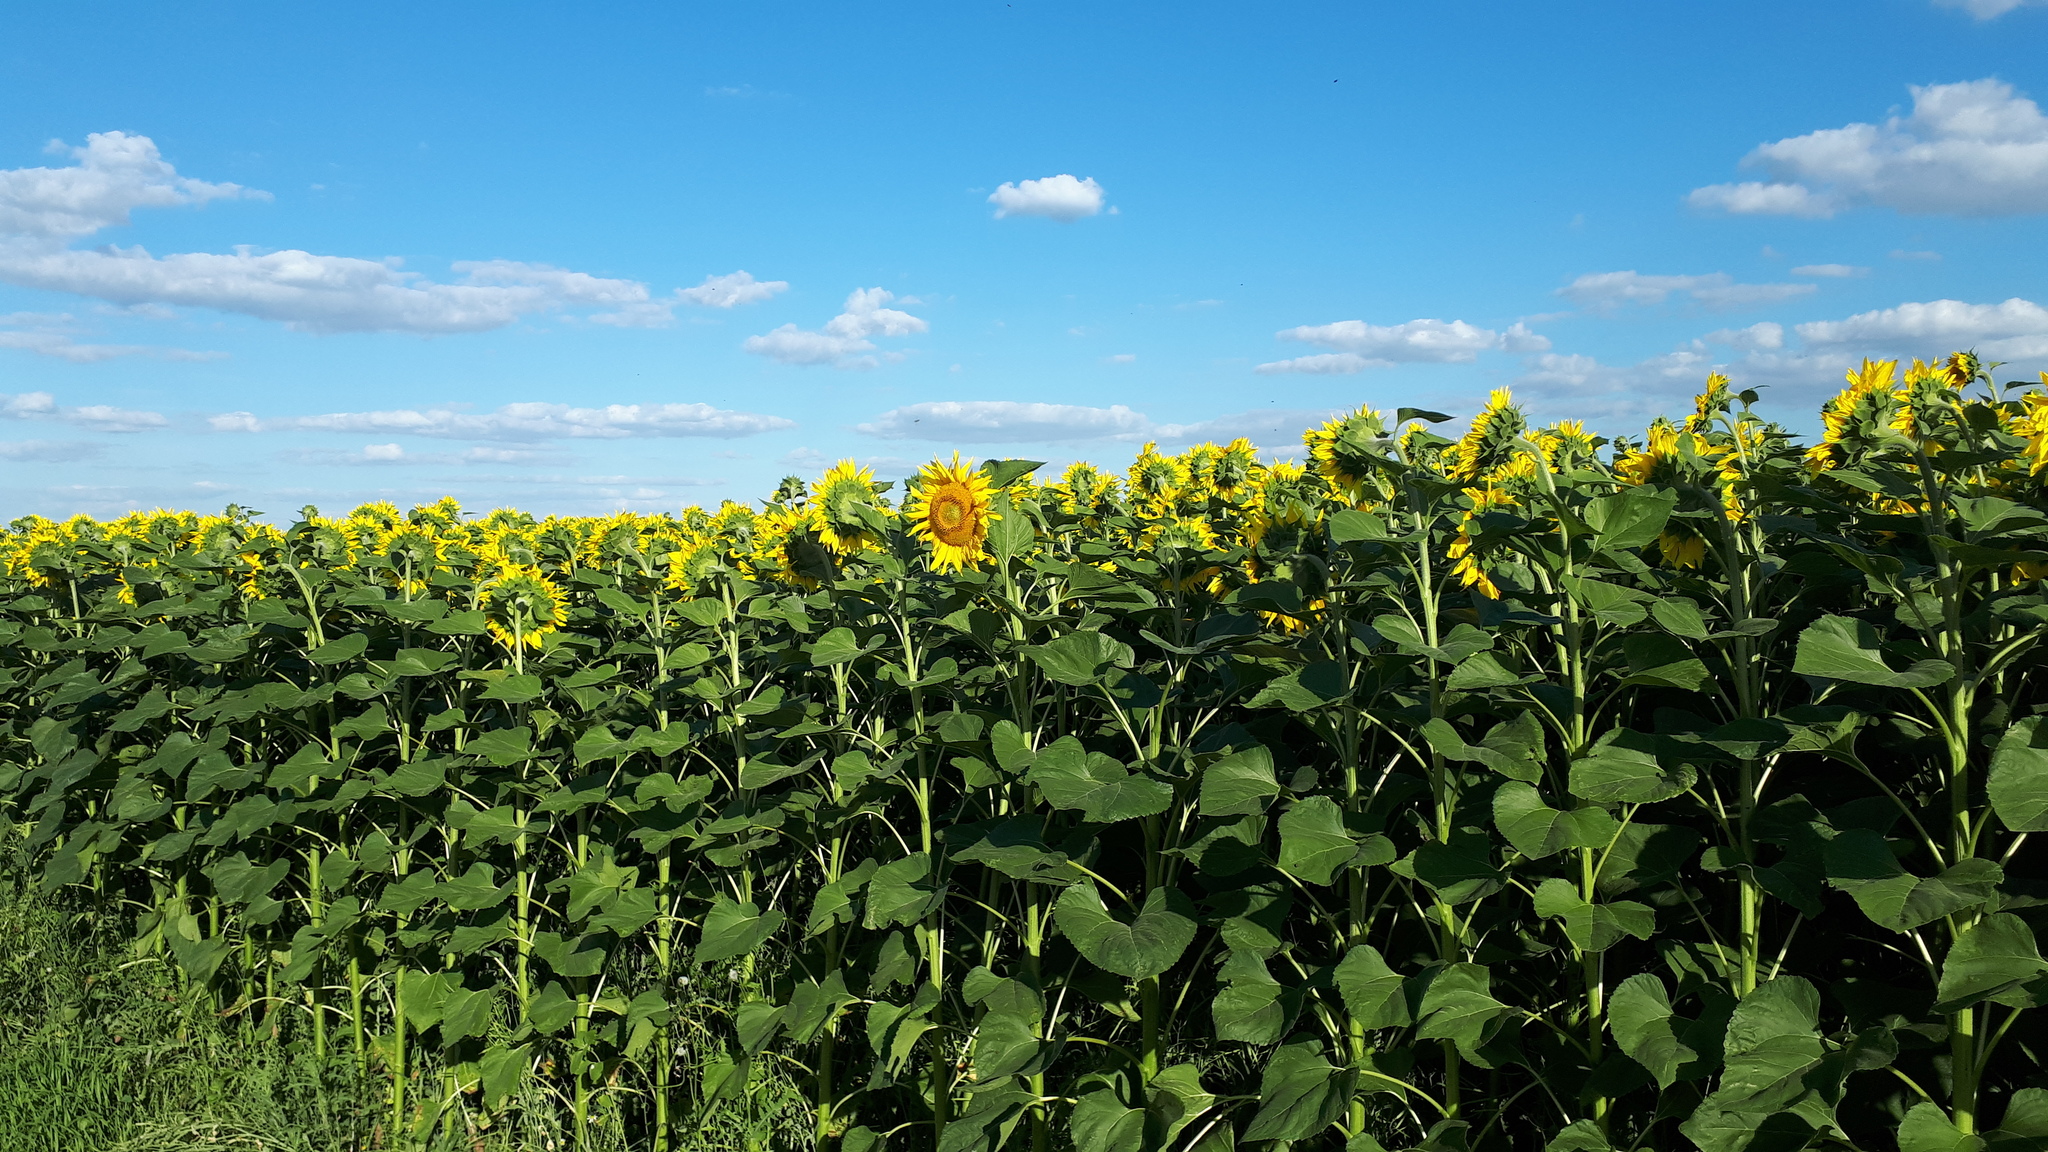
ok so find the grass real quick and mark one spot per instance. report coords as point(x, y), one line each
point(102, 1050)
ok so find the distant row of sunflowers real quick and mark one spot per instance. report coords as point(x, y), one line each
point(1198, 521)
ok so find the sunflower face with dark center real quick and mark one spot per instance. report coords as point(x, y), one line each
point(952, 512)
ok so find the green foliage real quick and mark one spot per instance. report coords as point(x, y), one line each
point(1489, 794)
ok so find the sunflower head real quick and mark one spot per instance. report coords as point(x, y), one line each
point(695, 566)
point(521, 606)
point(1343, 450)
point(1858, 419)
point(1567, 445)
point(1925, 403)
point(1236, 465)
point(1963, 369)
point(845, 498)
point(951, 511)
point(322, 543)
point(440, 516)
point(1490, 448)
point(786, 548)
point(1711, 404)
point(1157, 481)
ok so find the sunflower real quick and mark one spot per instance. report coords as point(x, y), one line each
point(1712, 403)
point(1235, 467)
point(786, 548)
point(2032, 424)
point(1700, 470)
point(1925, 402)
point(1157, 481)
point(1465, 552)
point(951, 510)
point(414, 554)
point(693, 566)
point(1566, 445)
point(1858, 418)
point(441, 515)
point(1343, 451)
point(520, 607)
point(1489, 448)
point(841, 495)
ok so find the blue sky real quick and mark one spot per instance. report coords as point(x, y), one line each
point(661, 254)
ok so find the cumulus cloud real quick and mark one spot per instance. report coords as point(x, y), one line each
point(55, 335)
point(1061, 198)
point(1003, 421)
point(1801, 363)
point(844, 338)
point(1358, 345)
point(523, 422)
point(1716, 291)
point(97, 417)
point(44, 210)
point(2015, 329)
point(1975, 148)
point(114, 174)
point(732, 290)
point(1757, 337)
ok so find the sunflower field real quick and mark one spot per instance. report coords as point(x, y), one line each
point(1526, 790)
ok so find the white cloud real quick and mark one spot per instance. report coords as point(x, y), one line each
point(1754, 198)
point(42, 210)
point(98, 417)
point(844, 337)
point(49, 451)
point(1265, 427)
point(1061, 198)
point(1121, 358)
point(1835, 271)
point(1975, 148)
point(1003, 421)
point(1764, 336)
point(2014, 329)
point(731, 290)
point(1903, 254)
point(115, 173)
point(523, 422)
point(1358, 345)
point(1988, 9)
point(1716, 291)
point(52, 334)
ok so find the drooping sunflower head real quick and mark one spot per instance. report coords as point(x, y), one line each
point(1567, 445)
point(1963, 369)
point(695, 566)
point(1343, 450)
point(1490, 447)
point(382, 513)
point(842, 495)
point(1711, 404)
point(951, 511)
point(613, 539)
point(1183, 533)
point(2031, 424)
point(1080, 487)
point(441, 515)
point(1157, 481)
point(1201, 465)
point(787, 549)
point(521, 606)
point(1926, 403)
point(1858, 418)
point(322, 543)
point(1235, 467)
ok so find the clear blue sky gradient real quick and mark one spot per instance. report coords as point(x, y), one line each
point(1268, 166)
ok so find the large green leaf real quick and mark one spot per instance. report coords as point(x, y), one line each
point(1538, 830)
point(1623, 767)
point(1639, 1014)
point(1072, 777)
point(1630, 519)
point(1838, 648)
point(1768, 1090)
point(1239, 784)
point(1372, 991)
point(1995, 959)
point(1860, 863)
point(2018, 787)
point(734, 929)
point(1081, 659)
point(902, 892)
point(1313, 841)
point(1147, 946)
point(1300, 1094)
point(1252, 1007)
